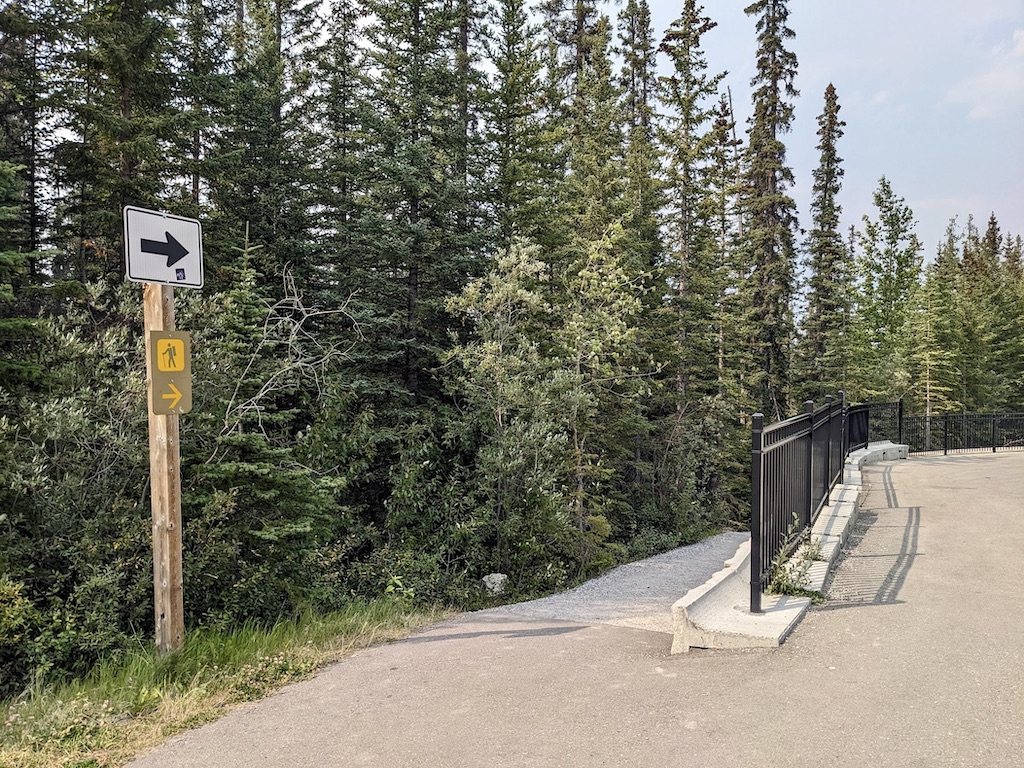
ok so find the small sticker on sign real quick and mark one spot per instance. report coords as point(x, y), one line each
point(180, 274)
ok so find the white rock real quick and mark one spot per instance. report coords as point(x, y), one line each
point(495, 583)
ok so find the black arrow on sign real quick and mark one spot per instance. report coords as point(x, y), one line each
point(172, 249)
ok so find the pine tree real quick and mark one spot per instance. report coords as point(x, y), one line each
point(642, 159)
point(984, 320)
point(27, 32)
point(693, 268)
point(20, 362)
point(520, 141)
point(203, 74)
point(254, 514)
point(594, 189)
point(934, 325)
point(340, 256)
point(1010, 251)
point(259, 158)
point(117, 123)
point(771, 213)
point(822, 350)
point(418, 258)
point(889, 269)
point(721, 207)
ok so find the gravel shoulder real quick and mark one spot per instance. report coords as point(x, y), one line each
point(639, 594)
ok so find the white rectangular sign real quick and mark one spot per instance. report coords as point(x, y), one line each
point(161, 248)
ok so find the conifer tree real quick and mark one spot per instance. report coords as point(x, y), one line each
point(934, 324)
point(203, 87)
point(642, 158)
point(1013, 280)
point(259, 160)
point(771, 213)
point(116, 127)
point(889, 268)
point(20, 362)
point(340, 98)
point(984, 322)
point(721, 209)
point(419, 259)
point(595, 185)
point(519, 138)
point(823, 353)
point(693, 270)
point(26, 31)
point(513, 389)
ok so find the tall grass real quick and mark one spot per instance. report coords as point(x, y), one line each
point(134, 701)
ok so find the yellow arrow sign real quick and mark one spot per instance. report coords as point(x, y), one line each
point(170, 370)
point(174, 396)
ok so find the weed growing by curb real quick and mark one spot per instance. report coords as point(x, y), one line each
point(791, 575)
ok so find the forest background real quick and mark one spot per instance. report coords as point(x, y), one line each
point(489, 287)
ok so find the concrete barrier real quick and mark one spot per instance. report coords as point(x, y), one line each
point(717, 613)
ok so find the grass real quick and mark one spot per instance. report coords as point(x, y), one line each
point(133, 702)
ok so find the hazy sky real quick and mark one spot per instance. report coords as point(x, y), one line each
point(932, 92)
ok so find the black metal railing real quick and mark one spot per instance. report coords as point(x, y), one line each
point(874, 422)
point(964, 432)
point(796, 463)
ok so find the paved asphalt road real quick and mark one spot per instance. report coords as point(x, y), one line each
point(915, 660)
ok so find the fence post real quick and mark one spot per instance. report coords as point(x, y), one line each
point(828, 451)
point(993, 433)
point(846, 441)
point(755, 512)
point(899, 423)
point(945, 434)
point(805, 521)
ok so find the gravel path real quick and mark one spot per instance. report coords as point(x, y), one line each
point(638, 594)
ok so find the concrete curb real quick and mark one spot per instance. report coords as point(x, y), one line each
point(717, 613)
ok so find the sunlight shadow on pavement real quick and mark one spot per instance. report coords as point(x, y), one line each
point(882, 548)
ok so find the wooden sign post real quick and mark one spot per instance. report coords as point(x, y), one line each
point(165, 481)
point(162, 251)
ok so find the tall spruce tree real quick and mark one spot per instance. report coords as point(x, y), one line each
point(642, 158)
point(26, 52)
point(771, 213)
point(20, 361)
point(982, 316)
point(934, 325)
point(116, 127)
point(203, 87)
point(693, 272)
point(419, 258)
point(823, 348)
point(259, 159)
point(519, 137)
point(696, 269)
point(341, 252)
point(889, 268)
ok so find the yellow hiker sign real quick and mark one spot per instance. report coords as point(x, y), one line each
point(170, 365)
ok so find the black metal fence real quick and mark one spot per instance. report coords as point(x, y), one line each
point(942, 433)
point(796, 463)
point(874, 422)
point(964, 432)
